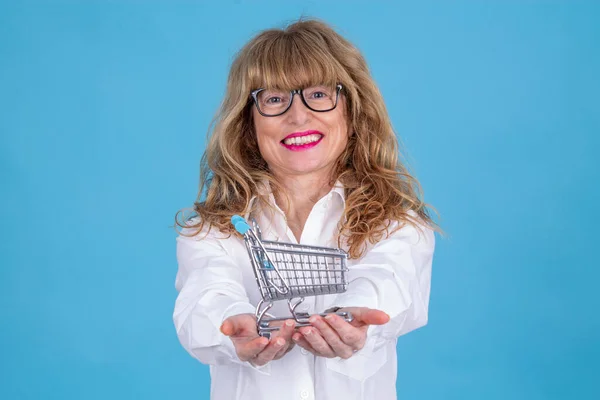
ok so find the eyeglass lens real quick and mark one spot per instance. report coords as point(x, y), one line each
point(318, 98)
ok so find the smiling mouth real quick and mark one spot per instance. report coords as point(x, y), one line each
point(301, 140)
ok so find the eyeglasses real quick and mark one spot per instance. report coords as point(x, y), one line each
point(272, 103)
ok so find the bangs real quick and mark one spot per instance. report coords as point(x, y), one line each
point(289, 62)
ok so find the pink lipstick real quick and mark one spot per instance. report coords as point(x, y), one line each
point(299, 141)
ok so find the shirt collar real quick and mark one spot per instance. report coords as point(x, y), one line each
point(263, 188)
point(338, 188)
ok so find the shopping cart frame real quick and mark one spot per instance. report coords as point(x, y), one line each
point(289, 271)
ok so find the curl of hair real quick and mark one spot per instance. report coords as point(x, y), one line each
point(378, 187)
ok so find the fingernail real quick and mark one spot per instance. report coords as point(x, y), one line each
point(296, 336)
point(289, 323)
point(279, 342)
point(313, 320)
point(329, 317)
point(308, 332)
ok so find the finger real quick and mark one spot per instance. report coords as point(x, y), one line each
point(228, 327)
point(343, 349)
point(300, 341)
point(317, 342)
point(350, 335)
point(248, 349)
point(269, 352)
point(285, 332)
point(369, 316)
point(238, 324)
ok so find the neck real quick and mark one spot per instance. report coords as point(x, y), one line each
point(301, 194)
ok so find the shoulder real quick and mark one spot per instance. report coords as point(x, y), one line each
point(195, 234)
point(412, 231)
point(415, 227)
point(194, 229)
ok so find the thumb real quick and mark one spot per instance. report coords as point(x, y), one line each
point(229, 327)
point(369, 316)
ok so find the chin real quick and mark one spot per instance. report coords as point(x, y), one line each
point(305, 169)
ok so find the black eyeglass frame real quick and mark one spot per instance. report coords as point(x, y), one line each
point(254, 96)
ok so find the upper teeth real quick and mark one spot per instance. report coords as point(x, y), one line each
point(302, 139)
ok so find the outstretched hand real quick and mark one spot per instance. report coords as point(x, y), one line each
point(253, 348)
point(332, 336)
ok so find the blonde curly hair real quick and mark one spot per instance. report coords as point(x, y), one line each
point(378, 187)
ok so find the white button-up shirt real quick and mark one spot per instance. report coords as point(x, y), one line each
point(215, 280)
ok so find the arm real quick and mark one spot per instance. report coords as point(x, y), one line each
point(393, 276)
point(210, 290)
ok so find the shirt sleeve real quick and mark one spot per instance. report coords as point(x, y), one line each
point(210, 290)
point(393, 276)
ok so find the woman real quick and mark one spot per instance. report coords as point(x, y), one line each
point(304, 145)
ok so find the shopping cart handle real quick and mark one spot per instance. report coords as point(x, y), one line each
point(240, 224)
point(237, 218)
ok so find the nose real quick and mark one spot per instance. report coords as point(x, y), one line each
point(298, 113)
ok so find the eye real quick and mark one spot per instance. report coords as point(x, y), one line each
point(318, 93)
point(273, 100)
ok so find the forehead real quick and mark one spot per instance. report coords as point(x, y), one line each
point(287, 64)
point(312, 88)
point(294, 77)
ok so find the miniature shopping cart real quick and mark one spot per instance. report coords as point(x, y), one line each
point(287, 271)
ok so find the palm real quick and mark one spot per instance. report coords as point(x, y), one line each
point(246, 328)
point(249, 346)
point(336, 337)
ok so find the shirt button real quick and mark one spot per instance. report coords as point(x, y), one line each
point(304, 394)
point(304, 351)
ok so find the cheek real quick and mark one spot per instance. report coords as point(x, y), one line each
point(261, 129)
point(343, 129)
point(340, 120)
point(264, 138)
point(266, 133)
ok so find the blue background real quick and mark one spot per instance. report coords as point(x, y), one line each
point(104, 108)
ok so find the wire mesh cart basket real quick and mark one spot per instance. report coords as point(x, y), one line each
point(287, 271)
